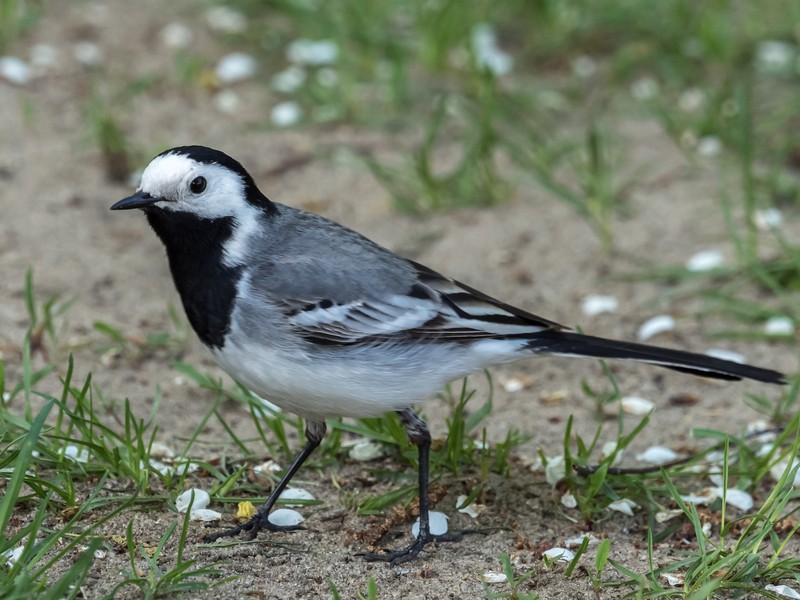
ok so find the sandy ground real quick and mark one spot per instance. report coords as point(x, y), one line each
point(531, 251)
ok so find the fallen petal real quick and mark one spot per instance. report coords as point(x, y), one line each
point(201, 500)
point(783, 590)
point(735, 497)
point(285, 517)
point(768, 218)
point(295, 494)
point(236, 66)
point(652, 327)
point(779, 325)
point(14, 70)
point(623, 505)
point(555, 470)
point(12, 555)
point(667, 515)
point(673, 579)
point(366, 450)
point(559, 554)
point(438, 524)
point(205, 514)
point(657, 455)
point(706, 260)
point(493, 577)
point(634, 405)
point(595, 305)
point(470, 510)
point(285, 114)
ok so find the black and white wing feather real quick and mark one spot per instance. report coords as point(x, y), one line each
point(434, 309)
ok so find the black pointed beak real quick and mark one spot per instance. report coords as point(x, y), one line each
point(138, 200)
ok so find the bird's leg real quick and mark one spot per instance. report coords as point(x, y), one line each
point(419, 435)
point(315, 431)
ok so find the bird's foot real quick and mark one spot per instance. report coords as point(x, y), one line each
point(396, 557)
point(260, 522)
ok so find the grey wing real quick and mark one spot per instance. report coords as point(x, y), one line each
point(337, 287)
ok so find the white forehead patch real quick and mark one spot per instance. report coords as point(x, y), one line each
point(165, 175)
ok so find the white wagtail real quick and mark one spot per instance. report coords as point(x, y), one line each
point(326, 323)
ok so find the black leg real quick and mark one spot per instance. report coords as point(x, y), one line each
point(418, 435)
point(315, 431)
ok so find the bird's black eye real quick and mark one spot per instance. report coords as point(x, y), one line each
point(198, 185)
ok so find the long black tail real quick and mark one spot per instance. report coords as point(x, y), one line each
point(575, 344)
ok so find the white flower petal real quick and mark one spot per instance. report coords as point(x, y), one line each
point(201, 500)
point(634, 405)
point(644, 88)
point(227, 101)
point(161, 467)
point(438, 524)
point(14, 70)
point(654, 326)
point(780, 468)
point(268, 467)
point(87, 53)
point(779, 325)
point(709, 146)
point(555, 470)
point(595, 305)
point(774, 56)
point(673, 579)
point(286, 114)
point(12, 555)
point(767, 219)
point(76, 454)
point(289, 80)
point(782, 590)
point(487, 53)
point(312, 52)
point(556, 554)
point(226, 19)
point(366, 450)
point(623, 505)
point(707, 260)
point(735, 497)
point(608, 449)
point(176, 35)
point(470, 510)
point(706, 497)
point(657, 455)
point(236, 66)
point(205, 514)
point(296, 494)
point(493, 577)
point(285, 517)
point(667, 515)
point(692, 99)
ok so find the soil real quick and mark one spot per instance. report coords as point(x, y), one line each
point(531, 251)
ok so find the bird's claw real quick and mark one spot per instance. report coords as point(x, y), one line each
point(397, 557)
point(258, 523)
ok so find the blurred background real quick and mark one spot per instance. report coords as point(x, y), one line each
point(629, 167)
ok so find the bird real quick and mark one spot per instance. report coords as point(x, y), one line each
point(326, 323)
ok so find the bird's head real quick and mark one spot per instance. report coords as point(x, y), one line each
point(200, 181)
